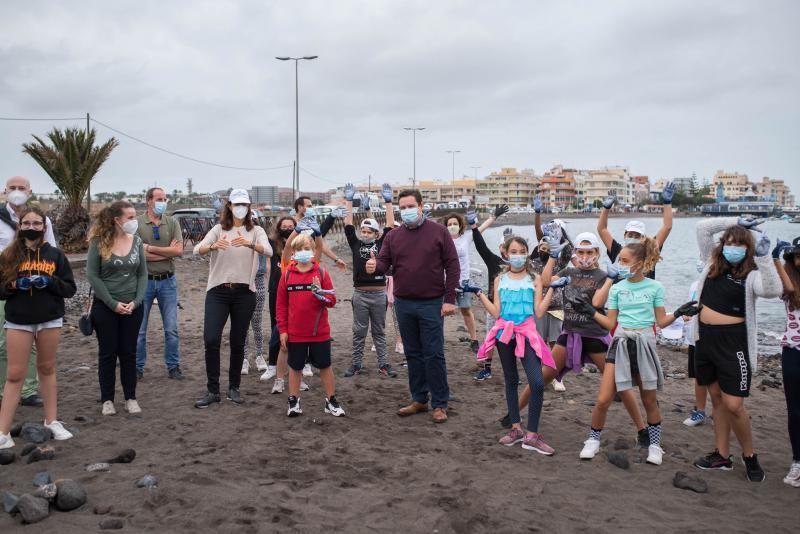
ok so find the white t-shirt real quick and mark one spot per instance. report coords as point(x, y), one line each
point(7, 233)
point(462, 244)
point(688, 326)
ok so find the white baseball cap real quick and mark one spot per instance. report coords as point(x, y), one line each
point(562, 223)
point(239, 196)
point(636, 226)
point(372, 224)
point(586, 236)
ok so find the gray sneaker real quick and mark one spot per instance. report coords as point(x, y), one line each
point(207, 400)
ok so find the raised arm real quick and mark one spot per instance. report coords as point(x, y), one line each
point(349, 193)
point(488, 257)
point(386, 192)
point(666, 226)
point(707, 229)
point(602, 222)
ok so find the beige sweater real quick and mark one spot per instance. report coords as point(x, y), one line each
point(234, 265)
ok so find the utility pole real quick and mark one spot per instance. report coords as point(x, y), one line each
point(296, 174)
point(475, 192)
point(414, 137)
point(88, 187)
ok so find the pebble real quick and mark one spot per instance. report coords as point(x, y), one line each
point(41, 453)
point(83, 419)
point(41, 478)
point(102, 467)
point(589, 403)
point(26, 450)
point(48, 491)
point(125, 457)
point(570, 402)
point(7, 457)
point(546, 404)
point(676, 409)
point(684, 481)
point(71, 495)
point(771, 383)
point(10, 502)
point(35, 433)
point(618, 458)
point(111, 523)
point(33, 509)
point(102, 509)
point(147, 481)
point(622, 444)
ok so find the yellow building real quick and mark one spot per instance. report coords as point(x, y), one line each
point(735, 185)
point(508, 186)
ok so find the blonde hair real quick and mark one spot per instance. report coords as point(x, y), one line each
point(647, 252)
point(104, 229)
point(301, 241)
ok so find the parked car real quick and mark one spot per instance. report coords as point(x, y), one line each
point(195, 212)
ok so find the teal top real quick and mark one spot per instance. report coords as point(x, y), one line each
point(636, 302)
point(516, 299)
point(120, 278)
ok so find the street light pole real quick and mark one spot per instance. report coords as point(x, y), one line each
point(453, 185)
point(296, 176)
point(414, 137)
point(475, 194)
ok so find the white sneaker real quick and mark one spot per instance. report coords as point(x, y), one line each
point(590, 449)
point(59, 432)
point(277, 387)
point(132, 406)
point(294, 409)
point(303, 386)
point(655, 455)
point(245, 367)
point(372, 349)
point(558, 385)
point(398, 348)
point(793, 478)
point(5, 441)
point(261, 363)
point(307, 370)
point(333, 407)
point(108, 408)
point(269, 374)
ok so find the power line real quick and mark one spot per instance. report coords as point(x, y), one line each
point(37, 119)
point(319, 177)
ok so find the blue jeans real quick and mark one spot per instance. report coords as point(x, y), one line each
point(422, 329)
point(166, 291)
point(533, 372)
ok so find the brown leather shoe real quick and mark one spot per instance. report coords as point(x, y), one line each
point(439, 415)
point(411, 409)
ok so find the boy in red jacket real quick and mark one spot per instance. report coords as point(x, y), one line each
point(305, 293)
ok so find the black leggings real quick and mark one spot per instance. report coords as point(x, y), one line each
point(533, 371)
point(790, 362)
point(222, 302)
point(116, 339)
point(274, 338)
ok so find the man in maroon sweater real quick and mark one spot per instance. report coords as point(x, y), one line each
point(425, 268)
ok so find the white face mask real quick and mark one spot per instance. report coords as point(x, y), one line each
point(17, 197)
point(454, 229)
point(240, 212)
point(130, 227)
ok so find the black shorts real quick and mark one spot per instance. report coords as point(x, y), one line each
point(633, 355)
point(690, 366)
point(317, 353)
point(721, 355)
point(590, 344)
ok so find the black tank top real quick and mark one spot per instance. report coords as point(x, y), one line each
point(724, 294)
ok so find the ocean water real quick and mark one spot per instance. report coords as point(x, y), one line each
point(678, 269)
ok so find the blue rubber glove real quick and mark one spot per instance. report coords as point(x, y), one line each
point(556, 246)
point(349, 192)
point(762, 246)
point(537, 204)
point(338, 213)
point(500, 210)
point(472, 216)
point(508, 232)
point(750, 223)
point(308, 224)
point(554, 230)
point(40, 281)
point(612, 271)
point(466, 287)
point(668, 192)
point(561, 282)
point(610, 200)
point(386, 191)
point(779, 246)
point(365, 201)
point(23, 283)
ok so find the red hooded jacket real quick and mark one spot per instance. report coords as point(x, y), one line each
point(299, 312)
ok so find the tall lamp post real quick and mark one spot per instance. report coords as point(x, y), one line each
point(296, 177)
point(453, 185)
point(475, 195)
point(414, 136)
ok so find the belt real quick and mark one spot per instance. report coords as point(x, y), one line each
point(229, 285)
point(160, 276)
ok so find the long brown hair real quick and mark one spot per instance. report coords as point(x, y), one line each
point(520, 241)
point(792, 297)
point(279, 241)
point(647, 252)
point(720, 266)
point(226, 219)
point(104, 228)
point(462, 224)
point(16, 251)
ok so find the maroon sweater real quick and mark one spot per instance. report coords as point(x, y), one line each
point(424, 262)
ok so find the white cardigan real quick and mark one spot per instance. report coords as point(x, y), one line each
point(763, 282)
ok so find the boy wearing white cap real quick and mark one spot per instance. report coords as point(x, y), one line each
point(635, 230)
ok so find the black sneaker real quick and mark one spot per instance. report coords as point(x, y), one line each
point(643, 439)
point(175, 373)
point(234, 396)
point(34, 400)
point(294, 409)
point(474, 346)
point(139, 375)
point(354, 370)
point(753, 470)
point(207, 400)
point(505, 422)
point(714, 460)
point(333, 407)
point(387, 370)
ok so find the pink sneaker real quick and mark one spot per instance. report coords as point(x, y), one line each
point(512, 438)
point(533, 442)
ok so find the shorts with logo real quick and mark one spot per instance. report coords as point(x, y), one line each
point(721, 355)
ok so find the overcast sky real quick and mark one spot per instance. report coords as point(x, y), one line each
point(667, 88)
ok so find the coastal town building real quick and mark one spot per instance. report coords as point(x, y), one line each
point(558, 189)
point(610, 179)
point(509, 186)
point(735, 186)
point(776, 191)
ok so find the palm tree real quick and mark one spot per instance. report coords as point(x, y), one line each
point(71, 160)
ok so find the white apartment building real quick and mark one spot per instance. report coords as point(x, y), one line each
point(509, 186)
point(616, 179)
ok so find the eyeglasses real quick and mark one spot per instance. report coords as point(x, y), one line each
point(31, 224)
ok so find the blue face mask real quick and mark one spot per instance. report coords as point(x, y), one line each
point(631, 241)
point(410, 216)
point(160, 208)
point(625, 272)
point(518, 261)
point(734, 254)
point(310, 212)
point(303, 256)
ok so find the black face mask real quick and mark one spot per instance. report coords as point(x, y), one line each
point(544, 256)
point(30, 234)
point(284, 233)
